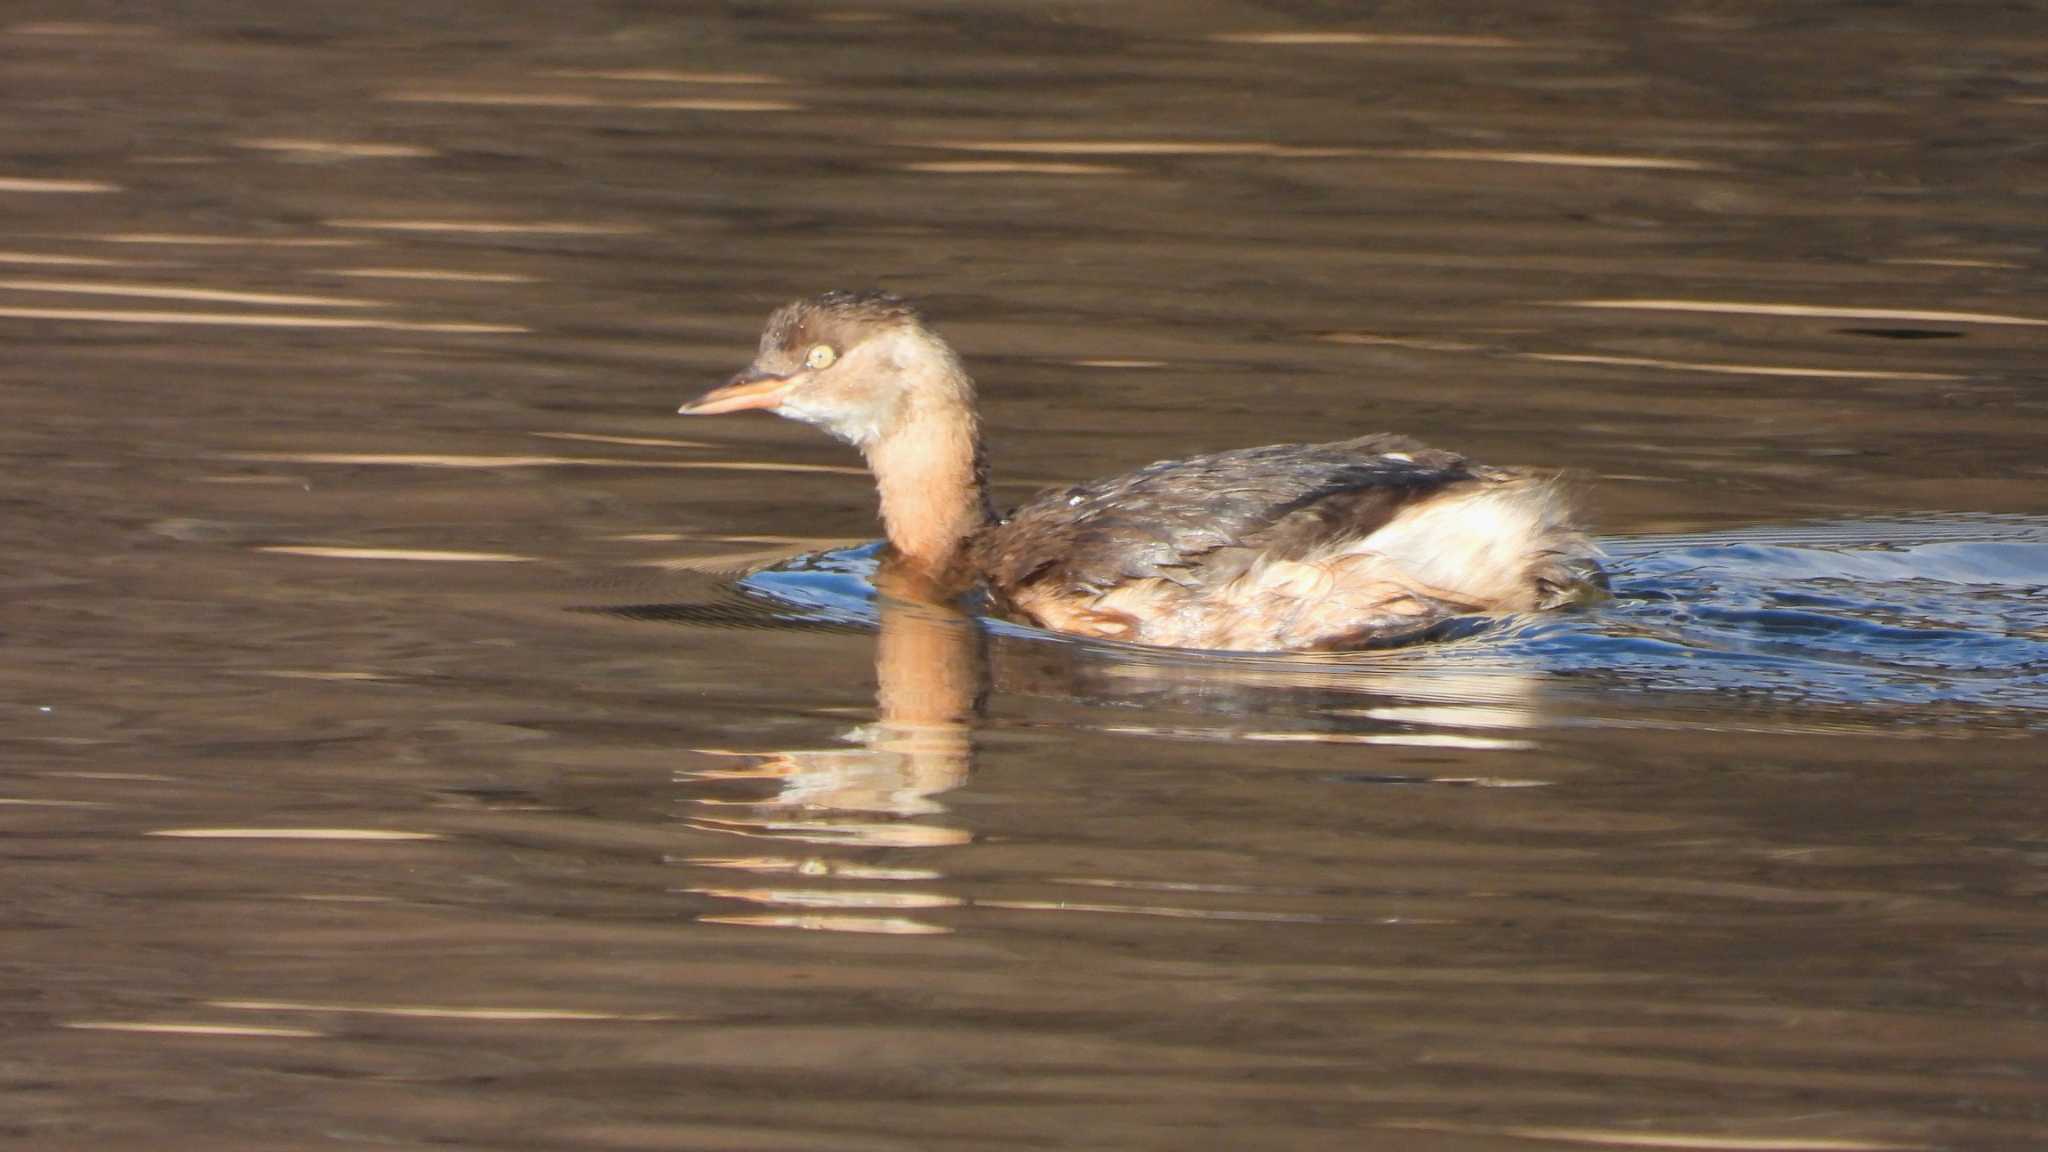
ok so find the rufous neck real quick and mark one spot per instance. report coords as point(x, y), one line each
point(934, 496)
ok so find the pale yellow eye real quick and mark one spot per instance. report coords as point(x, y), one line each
point(821, 356)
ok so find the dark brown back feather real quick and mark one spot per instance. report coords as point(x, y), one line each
point(1203, 520)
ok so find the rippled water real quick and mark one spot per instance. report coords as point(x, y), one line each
point(418, 735)
point(1947, 614)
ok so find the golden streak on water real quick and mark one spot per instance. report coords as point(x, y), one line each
point(158, 292)
point(571, 100)
point(1739, 369)
point(812, 866)
point(493, 228)
point(829, 898)
point(81, 28)
point(723, 563)
point(1554, 159)
point(244, 320)
point(714, 105)
point(1951, 262)
point(822, 832)
point(1683, 1141)
point(419, 460)
point(875, 925)
point(1420, 343)
point(423, 1012)
point(290, 834)
point(58, 261)
point(303, 674)
point(668, 76)
point(1396, 739)
point(1374, 39)
point(632, 441)
point(191, 1029)
point(1825, 312)
point(1154, 885)
point(435, 274)
point(1133, 147)
point(196, 240)
point(345, 148)
point(753, 466)
point(759, 772)
point(35, 186)
point(432, 556)
point(436, 461)
point(1001, 167)
point(23, 802)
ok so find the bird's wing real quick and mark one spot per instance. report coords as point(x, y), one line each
point(1202, 520)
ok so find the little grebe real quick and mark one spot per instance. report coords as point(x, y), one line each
point(1285, 547)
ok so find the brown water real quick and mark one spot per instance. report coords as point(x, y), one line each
point(418, 736)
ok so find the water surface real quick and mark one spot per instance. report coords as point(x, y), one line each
point(419, 736)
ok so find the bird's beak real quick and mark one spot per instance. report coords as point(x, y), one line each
point(749, 389)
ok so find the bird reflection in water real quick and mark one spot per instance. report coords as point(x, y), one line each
point(930, 668)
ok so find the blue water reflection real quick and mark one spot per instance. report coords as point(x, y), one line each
point(1926, 611)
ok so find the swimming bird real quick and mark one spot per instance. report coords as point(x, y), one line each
point(1287, 547)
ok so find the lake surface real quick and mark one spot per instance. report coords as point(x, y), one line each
point(420, 736)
